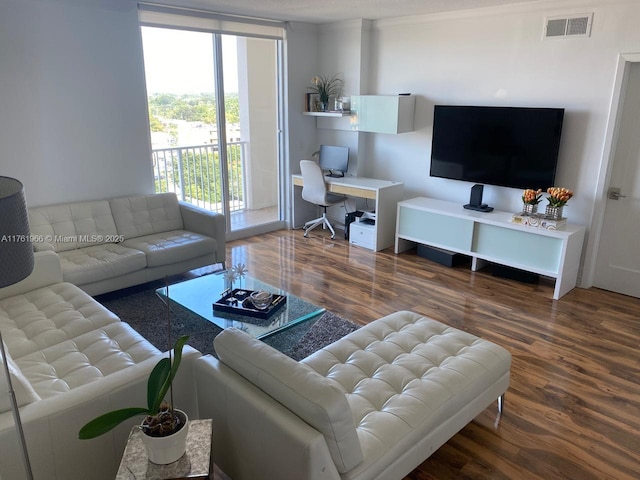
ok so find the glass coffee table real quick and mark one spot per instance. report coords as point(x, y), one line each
point(199, 294)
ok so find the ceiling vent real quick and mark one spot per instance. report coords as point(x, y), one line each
point(568, 26)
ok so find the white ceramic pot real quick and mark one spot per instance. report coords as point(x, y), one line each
point(164, 450)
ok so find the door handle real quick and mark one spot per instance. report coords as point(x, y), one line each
point(614, 194)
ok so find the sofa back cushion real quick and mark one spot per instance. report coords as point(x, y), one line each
point(147, 214)
point(306, 393)
point(73, 225)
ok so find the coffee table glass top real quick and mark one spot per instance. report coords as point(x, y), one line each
point(199, 294)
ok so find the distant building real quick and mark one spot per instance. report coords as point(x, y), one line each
point(188, 134)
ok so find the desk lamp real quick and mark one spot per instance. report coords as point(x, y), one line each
point(16, 263)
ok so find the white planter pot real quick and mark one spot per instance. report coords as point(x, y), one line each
point(164, 450)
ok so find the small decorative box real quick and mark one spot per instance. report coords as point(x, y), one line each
point(538, 220)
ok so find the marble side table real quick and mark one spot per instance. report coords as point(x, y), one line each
point(195, 464)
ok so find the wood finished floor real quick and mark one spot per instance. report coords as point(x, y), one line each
point(573, 405)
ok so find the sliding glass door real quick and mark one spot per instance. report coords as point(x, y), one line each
point(213, 114)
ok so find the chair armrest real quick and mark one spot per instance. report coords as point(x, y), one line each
point(46, 271)
point(255, 437)
point(205, 222)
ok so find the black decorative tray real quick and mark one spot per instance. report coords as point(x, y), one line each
point(238, 302)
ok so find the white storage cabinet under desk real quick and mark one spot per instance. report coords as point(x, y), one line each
point(491, 237)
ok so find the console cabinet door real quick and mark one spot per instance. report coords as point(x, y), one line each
point(520, 249)
point(434, 229)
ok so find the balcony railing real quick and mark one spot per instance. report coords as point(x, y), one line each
point(194, 174)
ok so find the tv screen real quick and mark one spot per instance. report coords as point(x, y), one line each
point(334, 159)
point(506, 146)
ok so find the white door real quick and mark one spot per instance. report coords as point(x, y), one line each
point(618, 263)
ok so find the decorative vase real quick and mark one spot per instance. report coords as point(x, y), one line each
point(553, 213)
point(530, 208)
point(165, 450)
point(324, 104)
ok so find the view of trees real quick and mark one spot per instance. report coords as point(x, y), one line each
point(199, 107)
point(195, 171)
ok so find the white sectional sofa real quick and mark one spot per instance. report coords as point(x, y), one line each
point(373, 405)
point(71, 360)
point(106, 245)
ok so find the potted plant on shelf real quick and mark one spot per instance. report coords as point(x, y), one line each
point(326, 87)
point(164, 428)
point(531, 199)
point(558, 198)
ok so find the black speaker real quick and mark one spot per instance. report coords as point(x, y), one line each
point(475, 200)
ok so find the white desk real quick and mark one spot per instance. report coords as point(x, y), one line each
point(386, 195)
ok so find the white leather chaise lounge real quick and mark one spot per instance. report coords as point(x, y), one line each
point(373, 405)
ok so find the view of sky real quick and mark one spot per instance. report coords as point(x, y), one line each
point(178, 61)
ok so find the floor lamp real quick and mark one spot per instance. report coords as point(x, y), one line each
point(16, 263)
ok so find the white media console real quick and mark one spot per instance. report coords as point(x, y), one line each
point(491, 237)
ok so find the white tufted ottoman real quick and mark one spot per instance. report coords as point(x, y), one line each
point(406, 376)
point(373, 405)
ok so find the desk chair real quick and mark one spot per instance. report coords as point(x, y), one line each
point(314, 190)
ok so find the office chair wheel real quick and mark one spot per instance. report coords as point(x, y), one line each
point(333, 235)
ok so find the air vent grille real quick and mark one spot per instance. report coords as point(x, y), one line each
point(568, 26)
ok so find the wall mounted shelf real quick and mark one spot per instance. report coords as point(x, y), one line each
point(327, 114)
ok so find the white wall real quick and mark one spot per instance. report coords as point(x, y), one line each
point(73, 121)
point(301, 52)
point(497, 57)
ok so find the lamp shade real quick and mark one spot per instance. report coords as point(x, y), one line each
point(16, 250)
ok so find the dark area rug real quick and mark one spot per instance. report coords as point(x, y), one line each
point(147, 314)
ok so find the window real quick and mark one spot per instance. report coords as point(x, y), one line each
point(214, 100)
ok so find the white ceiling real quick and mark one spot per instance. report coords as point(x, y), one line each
point(325, 11)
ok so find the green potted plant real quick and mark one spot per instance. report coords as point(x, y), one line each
point(326, 87)
point(164, 428)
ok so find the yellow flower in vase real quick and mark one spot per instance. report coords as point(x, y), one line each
point(558, 197)
point(532, 197)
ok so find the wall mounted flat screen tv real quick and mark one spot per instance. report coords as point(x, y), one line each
point(506, 146)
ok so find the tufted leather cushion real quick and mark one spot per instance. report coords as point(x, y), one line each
point(75, 225)
point(85, 359)
point(173, 246)
point(404, 374)
point(300, 389)
point(100, 262)
point(47, 316)
point(23, 390)
point(145, 215)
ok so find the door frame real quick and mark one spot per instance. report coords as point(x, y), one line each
point(606, 167)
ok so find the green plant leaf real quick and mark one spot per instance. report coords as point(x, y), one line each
point(167, 377)
point(106, 422)
point(157, 379)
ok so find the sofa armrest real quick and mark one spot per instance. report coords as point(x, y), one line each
point(205, 222)
point(46, 271)
point(255, 437)
point(51, 425)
